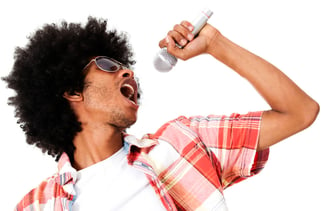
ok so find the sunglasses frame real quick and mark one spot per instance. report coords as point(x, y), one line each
point(116, 63)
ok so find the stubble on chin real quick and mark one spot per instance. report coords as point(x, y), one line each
point(121, 121)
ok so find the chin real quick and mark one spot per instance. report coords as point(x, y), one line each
point(122, 120)
point(127, 123)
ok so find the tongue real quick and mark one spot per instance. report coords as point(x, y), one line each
point(126, 91)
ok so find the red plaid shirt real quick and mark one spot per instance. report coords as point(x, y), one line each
point(188, 161)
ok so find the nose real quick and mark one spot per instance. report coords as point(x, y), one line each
point(126, 73)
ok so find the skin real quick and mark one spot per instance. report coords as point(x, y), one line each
point(104, 112)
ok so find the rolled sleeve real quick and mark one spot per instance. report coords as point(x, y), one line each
point(233, 140)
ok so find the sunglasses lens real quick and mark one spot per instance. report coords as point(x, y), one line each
point(107, 65)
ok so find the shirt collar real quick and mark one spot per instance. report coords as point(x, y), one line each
point(131, 141)
point(67, 175)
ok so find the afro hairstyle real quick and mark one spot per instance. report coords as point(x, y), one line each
point(51, 64)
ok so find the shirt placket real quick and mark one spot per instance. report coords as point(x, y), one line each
point(156, 184)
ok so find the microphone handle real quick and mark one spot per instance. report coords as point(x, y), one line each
point(200, 21)
point(164, 61)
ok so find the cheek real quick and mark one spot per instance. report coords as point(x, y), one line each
point(98, 98)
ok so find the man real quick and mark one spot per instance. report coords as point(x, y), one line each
point(76, 95)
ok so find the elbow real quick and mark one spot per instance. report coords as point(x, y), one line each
point(310, 114)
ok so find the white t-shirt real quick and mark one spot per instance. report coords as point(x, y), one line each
point(112, 184)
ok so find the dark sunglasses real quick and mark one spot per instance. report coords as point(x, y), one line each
point(107, 64)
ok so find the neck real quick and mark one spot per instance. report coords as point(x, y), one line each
point(95, 143)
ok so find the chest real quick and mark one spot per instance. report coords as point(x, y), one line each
point(115, 186)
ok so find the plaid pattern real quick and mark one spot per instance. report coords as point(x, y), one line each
point(188, 161)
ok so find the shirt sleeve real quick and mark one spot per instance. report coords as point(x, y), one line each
point(232, 140)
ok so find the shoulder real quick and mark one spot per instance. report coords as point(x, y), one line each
point(40, 194)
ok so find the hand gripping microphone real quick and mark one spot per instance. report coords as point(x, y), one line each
point(164, 61)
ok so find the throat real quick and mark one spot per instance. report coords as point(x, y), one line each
point(91, 149)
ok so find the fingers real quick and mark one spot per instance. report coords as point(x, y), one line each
point(181, 34)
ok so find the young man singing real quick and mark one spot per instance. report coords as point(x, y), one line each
point(77, 95)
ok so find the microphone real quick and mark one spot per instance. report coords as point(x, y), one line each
point(164, 61)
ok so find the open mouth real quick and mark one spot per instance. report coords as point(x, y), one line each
point(128, 90)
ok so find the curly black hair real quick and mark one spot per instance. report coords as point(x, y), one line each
point(48, 66)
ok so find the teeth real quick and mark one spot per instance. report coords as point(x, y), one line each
point(131, 89)
point(128, 93)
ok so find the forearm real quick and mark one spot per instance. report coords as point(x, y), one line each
point(291, 107)
point(276, 88)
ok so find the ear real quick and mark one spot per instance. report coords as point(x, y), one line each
point(73, 96)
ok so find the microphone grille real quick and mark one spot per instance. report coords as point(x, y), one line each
point(164, 61)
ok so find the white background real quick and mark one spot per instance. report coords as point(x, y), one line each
point(289, 33)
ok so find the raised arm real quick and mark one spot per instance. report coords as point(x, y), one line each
point(292, 110)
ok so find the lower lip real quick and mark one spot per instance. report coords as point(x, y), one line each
point(134, 105)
